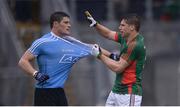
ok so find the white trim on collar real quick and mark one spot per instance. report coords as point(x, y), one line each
point(55, 35)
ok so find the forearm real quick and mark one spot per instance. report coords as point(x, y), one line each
point(105, 52)
point(115, 66)
point(104, 31)
point(111, 64)
point(26, 66)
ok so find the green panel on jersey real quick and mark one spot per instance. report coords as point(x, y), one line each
point(135, 54)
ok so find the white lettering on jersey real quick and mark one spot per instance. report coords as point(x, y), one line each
point(71, 58)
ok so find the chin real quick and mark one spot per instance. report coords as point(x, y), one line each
point(122, 35)
point(68, 33)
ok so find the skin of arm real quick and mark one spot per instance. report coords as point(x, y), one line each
point(115, 66)
point(25, 64)
point(105, 32)
point(105, 52)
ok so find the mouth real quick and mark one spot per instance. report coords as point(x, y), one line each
point(121, 32)
point(68, 30)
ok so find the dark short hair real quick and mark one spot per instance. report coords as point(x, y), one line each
point(57, 16)
point(133, 19)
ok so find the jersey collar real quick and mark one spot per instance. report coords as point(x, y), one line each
point(54, 35)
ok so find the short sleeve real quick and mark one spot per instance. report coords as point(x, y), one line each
point(118, 38)
point(35, 47)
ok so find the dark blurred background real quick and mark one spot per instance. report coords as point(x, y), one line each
point(23, 21)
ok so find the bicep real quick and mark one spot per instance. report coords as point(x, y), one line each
point(112, 35)
point(28, 56)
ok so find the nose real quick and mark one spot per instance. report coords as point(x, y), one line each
point(119, 27)
point(69, 25)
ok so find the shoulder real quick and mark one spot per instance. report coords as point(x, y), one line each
point(44, 38)
point(140, 41)
point(118, 37)
point(41, 41)
point(138, 44)
point(46, 35)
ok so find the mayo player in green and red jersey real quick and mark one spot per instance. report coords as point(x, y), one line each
point(127, 89)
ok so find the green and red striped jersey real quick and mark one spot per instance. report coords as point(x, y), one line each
point(130, 80)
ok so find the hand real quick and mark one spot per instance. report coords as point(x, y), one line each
point(96, 50)
point(90, 19)
point(114, 56)
point(40, 76)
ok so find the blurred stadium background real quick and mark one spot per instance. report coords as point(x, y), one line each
point(90, 82)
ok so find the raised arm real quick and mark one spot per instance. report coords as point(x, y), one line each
point(105, 32)
point(102, 30)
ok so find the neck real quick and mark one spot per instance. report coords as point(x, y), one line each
point(56, 33)
point(131, 37)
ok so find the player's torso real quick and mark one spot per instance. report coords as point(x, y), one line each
point(58, 52)
point(129, 81)
point(56, 59)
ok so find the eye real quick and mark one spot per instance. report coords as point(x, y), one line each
point(122, 25)
point(66, 22)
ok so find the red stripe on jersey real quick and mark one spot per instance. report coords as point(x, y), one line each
point(116, 37)
point(126, 55)
point(129, 74)
point(130, 89)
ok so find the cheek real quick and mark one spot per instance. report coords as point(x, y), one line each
point(61, 28)
point(126, 30)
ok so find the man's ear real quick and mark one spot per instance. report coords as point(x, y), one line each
point(55, 23)
point(132, 27)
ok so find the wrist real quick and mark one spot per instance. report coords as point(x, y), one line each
point(96, 24)
point(114, 56)
point(99, 55)
point(35, 73)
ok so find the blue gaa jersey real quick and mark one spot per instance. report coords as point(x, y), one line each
point(55, 57)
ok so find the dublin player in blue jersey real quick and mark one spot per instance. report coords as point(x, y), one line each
point(56, 52)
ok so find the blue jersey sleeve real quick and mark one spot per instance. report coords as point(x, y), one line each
point(35, 48)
